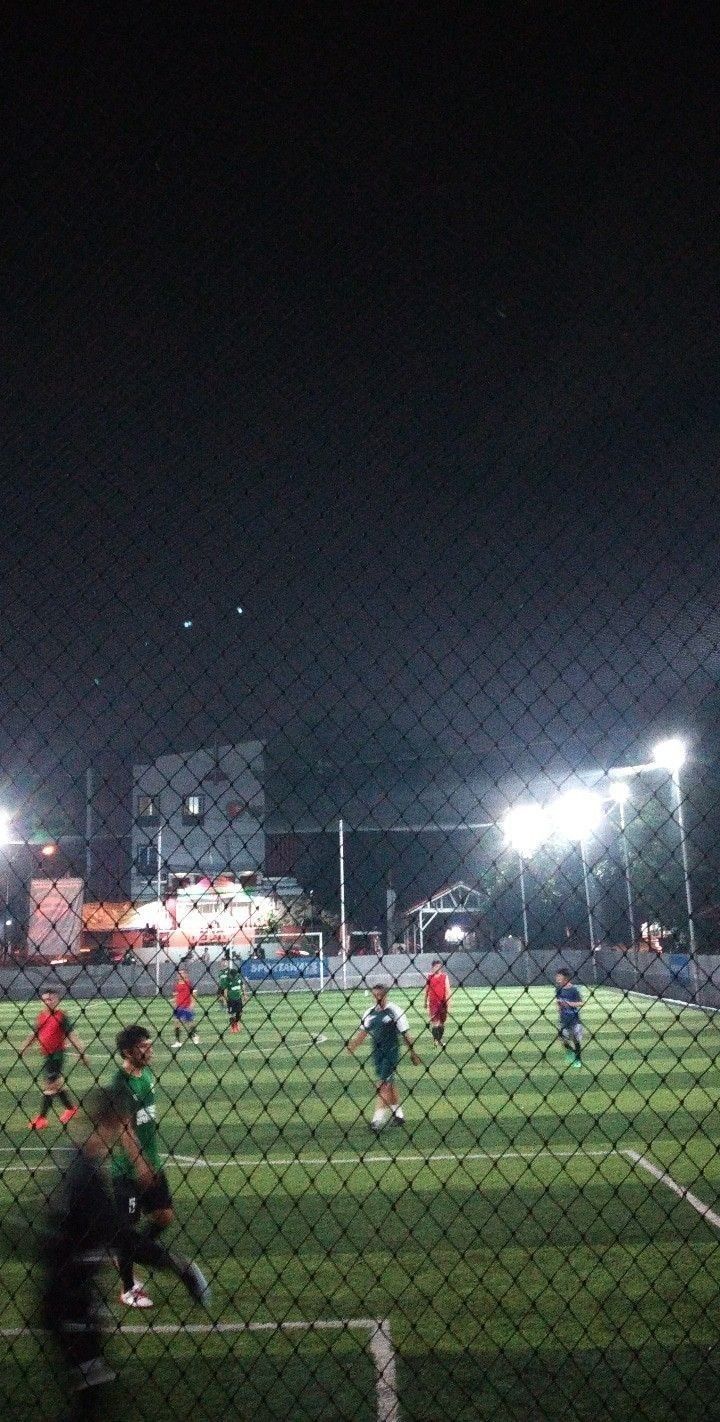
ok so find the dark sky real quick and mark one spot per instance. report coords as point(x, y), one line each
point(395, 326)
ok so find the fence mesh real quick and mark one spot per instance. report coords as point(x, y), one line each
point(358, 749)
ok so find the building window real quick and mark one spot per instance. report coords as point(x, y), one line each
point(148, 810)
point(193, 809)
point(146, 861)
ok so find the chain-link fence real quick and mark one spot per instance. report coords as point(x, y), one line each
point(359, 794)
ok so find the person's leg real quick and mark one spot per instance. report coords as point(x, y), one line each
point(383, 1106)
point(398, 1114)
point(127, 1203)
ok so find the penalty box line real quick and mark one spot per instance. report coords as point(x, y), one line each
point(379, 1339)
point(682, 1192)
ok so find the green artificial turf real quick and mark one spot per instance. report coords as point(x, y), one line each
point(527, 1266)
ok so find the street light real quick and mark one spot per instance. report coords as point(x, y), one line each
point(575, 816)
point(525, 827)
point(620, 793)
point(671, 755)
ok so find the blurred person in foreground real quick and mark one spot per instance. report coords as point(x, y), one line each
point(82, 1231)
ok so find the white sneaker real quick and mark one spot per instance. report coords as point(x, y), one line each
point(136, 1298)
point(93, 1374)
point(196, 1040)
point(174, 1046)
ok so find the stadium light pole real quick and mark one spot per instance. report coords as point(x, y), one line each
point(620, 794)
point(671, 755)
point(343, 914)
point(525, 827)
point(576, 815)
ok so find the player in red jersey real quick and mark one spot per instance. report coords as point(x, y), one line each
point(437, 1000)
point(52, 1032)
point(184, 1009)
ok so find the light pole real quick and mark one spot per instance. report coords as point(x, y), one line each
point(524, 828)
point(576, 815)
point(620, 793)
point(671, 755)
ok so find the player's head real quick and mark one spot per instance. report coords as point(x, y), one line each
point(436, 965)
point(134, 1045)
point(50, 997)
point(562, 977)
point(106, 1112)
point(182, 973)
point(380, 991)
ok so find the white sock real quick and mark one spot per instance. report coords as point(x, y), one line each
point(398, 1113)
point(381, 1116)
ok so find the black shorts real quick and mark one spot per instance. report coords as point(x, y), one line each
point(235, 1008)
point(132, 1200)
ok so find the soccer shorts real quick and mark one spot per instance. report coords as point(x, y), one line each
point(571, 1031)
point(132, 1200)
point(52, 1069)
point(184, 1014)
point(385, 1067)
point(438, 1014)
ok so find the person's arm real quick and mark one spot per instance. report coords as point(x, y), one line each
point(79, 1046)
point(357, 1040)
point(409, 1043)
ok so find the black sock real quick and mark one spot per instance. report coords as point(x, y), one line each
point(440, 1032)
point(46, 1104)
point(435, 1033)
point(127, 1270)
point(65, 1099)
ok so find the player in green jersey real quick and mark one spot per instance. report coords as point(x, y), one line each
point(139, 1181)
point(387, 1026)
point(232, 990)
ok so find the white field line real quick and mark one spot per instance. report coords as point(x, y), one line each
point(671, 1001)
point(406, 1158)
point(379, 1333)
point(191, 1162)
point(680, 1190)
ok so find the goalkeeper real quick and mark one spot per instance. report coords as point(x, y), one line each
point(82, 1231)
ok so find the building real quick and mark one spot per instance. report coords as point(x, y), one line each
point(196, 816)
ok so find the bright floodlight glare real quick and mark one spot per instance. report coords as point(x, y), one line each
point(670, 754)
point(576, 814)
point(620, 792)
point(525, 827)
point(455, 933)
point(4, 826)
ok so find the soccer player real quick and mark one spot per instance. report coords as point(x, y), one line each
point(233, 992)
point(437, 1000)
point(82, 1230)
point(569, 1003)
point(52, 1032)
point(139, 1181)
point(387, 1026)
point(184, 1009)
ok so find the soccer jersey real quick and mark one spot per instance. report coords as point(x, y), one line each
point(139, 1092)
point(437, 993)
point(52, 1030)
point(230, 982)
point(183, 995)
point(385, 1025)
point(569, 1001)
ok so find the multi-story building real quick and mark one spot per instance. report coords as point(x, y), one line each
point(197, 815)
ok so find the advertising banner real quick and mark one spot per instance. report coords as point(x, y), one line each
point(281, 969)
point(55, 917)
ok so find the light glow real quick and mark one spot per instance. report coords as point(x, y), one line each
point(670, 754)
point(525, 827)
point(576, 815)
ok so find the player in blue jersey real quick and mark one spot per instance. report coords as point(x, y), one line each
point(569, 1002)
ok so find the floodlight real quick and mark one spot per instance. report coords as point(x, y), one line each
point(620, 792)
point(670, 754)
point(455, 933)
point(576, 814)
point(525, 827)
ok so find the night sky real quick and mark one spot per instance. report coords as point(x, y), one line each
point(395, 327)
